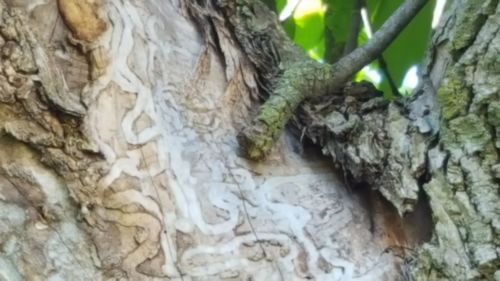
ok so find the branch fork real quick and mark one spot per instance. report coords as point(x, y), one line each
point(304, 79)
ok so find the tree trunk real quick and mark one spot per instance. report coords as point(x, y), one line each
point(463, 68)
point(119, 158)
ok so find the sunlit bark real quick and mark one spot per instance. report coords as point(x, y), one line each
point(119, 158)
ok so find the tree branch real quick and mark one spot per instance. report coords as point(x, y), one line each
point(352, 37)
point(305, 79)
point(352, 63)
point(384, 67)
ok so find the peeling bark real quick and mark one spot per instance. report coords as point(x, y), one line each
point(442, 140)
point(40, 232)
point(119, 160)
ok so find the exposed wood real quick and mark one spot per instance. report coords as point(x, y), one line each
point(119, 157)
point(131, 172)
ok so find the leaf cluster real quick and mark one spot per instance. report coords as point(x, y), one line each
point(321, 28)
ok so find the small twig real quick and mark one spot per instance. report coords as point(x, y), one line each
point(352, 37)
point(383, 65)
point(357, 59)
point(385, 69)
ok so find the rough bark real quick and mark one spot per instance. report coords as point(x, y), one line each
point(444, 140)
point(463, 67)
point(448, 148)
point(301, 78)
point(355, 116)
point(118, 158)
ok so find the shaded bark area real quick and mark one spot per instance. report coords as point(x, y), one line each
point(443, 139)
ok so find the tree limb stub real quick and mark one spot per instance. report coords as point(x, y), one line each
point(304, 78)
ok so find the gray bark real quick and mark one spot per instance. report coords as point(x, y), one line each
point(119, 159)
point(463, 67)
point(444, 140)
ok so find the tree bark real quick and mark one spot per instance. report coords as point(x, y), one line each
point(443, 140)
point(463, 187)
point(119, 158)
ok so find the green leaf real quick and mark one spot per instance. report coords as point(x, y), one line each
point(309, 31)
point(363, 37)
point(409, 47)
point(289, 26)
point(318, 52)
point(280, 4)
point(309, 27)
point(289, 23)
point(338, 18)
